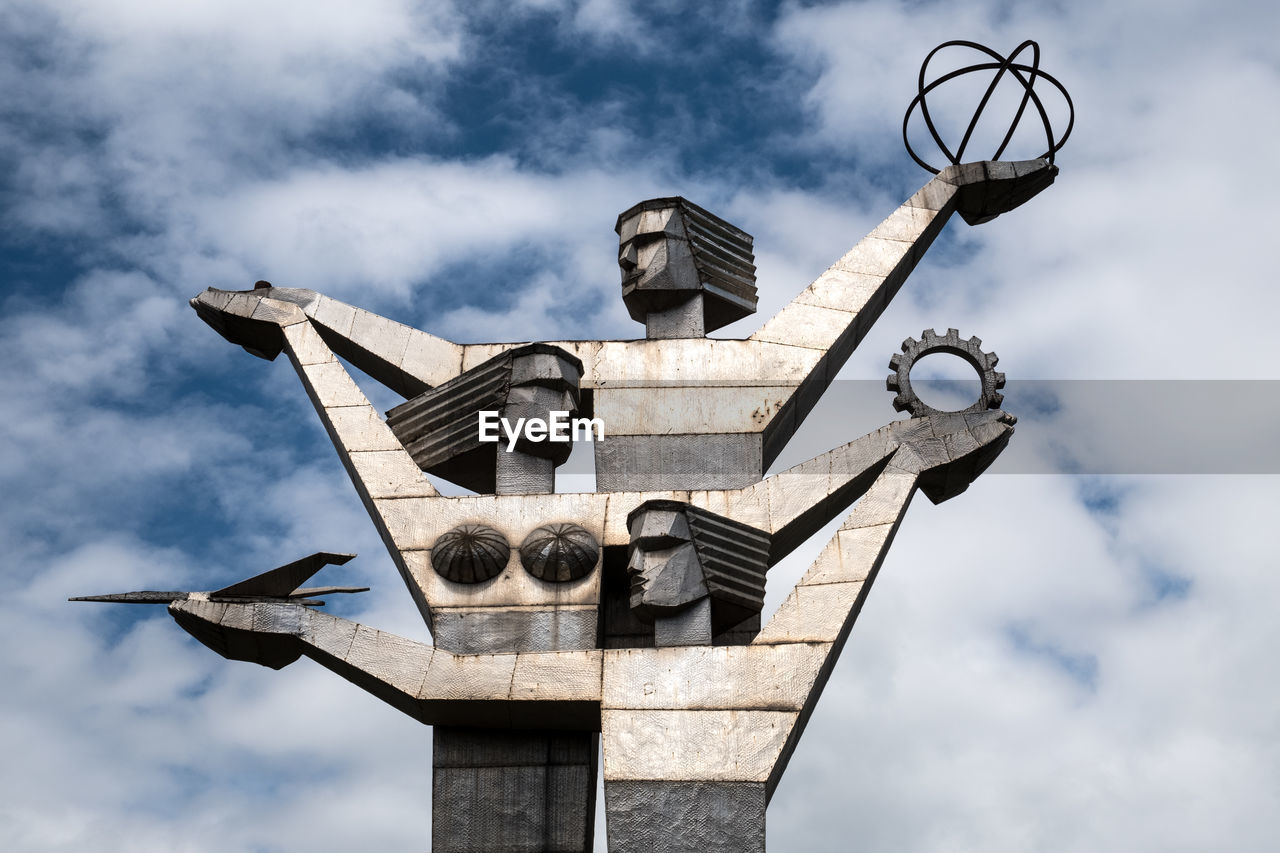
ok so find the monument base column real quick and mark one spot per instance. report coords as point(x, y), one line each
point(685, 817)
point(513, 791)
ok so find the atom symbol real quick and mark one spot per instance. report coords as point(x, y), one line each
point(1027, 75)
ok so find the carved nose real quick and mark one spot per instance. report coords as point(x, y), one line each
point(627, 258)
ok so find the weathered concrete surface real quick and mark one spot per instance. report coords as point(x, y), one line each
point(683, 817)
point(797, 352)
point(513, 791)
point(695, 736)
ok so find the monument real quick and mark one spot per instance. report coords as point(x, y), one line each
point(627, 620)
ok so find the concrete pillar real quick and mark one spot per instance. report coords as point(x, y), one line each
point(513, 790)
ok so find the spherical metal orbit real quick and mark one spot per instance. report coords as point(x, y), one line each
point(1024, 74)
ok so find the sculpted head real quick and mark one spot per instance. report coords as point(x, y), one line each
point(672, 252)
point(666, 575)
point(543, 379)
point(440, 427)
point(681, 554)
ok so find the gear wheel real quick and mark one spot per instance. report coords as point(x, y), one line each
point(930, 342)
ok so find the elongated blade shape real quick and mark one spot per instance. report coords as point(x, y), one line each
point(282, 581)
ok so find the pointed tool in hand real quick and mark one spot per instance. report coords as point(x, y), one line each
point(282, 584)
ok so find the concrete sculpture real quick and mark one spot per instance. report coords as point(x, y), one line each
point(630, 614)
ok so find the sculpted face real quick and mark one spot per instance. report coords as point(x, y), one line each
point(654, 253)
point(538, 400)
point(666, 575)
point(542, 383)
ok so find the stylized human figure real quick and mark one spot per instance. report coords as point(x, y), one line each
point(504, 579)
point(678, 404)
point(690, 766)
point(695, 736)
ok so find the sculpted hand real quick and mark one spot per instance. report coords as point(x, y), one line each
point(991, 187)
point(950, 450)
point(253, 318)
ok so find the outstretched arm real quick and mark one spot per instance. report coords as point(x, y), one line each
point(377, 463)
point(835, 312)
point(940, 455)
point(405, 359)
point(557, 689)
point(794, 504)
point(803, 498)
point(735, 713)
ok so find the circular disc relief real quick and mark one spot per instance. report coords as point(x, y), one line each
point(559, 552)
point(470, 553)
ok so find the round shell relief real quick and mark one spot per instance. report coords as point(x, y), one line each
point(559, 552)
point(470, 553)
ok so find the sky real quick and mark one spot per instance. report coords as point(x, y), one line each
point(1076, 654)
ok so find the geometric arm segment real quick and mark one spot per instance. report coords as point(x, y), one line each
point(824, 603)
point(267, 321)
point(436, 687)
point(733, 714)
point(838, 309)
point(803, 498)
point(406, 360)
point(377, 462)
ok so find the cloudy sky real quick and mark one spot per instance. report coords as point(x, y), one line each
point(1075, 659)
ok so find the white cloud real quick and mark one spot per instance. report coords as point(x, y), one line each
point(1156, 217)
point(399, 222)
point(952, 737)
point(139, 105)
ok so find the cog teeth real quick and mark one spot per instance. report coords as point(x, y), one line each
point(905, 399)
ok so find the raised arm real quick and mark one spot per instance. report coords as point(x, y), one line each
point(379, 466)
point(835, 312)
point(803, 498)
point(794, 504)
point(266, 326)
point(405, 359)
point(942, 457)
point(730, 716)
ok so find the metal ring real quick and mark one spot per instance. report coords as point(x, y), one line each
point(930, 342)
point(1000, 65)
